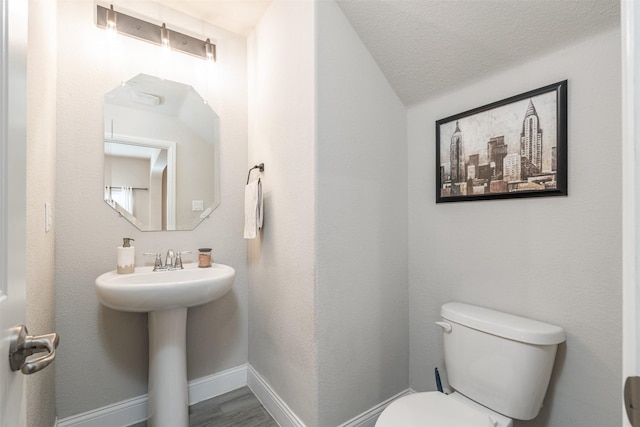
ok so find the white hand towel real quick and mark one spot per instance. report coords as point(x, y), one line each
point(252, 209)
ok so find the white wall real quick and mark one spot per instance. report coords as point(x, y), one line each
point(554, 259)
point(282, 298)
point(361, 226)
point(41, 161)
point(102, 357)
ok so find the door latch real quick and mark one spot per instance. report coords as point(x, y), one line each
point(22, 346)
point(632, 400)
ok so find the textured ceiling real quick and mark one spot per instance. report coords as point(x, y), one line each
point(429, 46)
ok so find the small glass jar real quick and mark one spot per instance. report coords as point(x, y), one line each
point(204, 257)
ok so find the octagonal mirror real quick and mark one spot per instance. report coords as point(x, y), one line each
point(161, 166)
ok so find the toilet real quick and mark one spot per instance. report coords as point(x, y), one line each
point(498, 365)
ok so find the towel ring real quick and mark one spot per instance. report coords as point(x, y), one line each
point(259, 167)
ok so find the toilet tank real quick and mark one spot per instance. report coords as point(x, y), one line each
point(499, 360)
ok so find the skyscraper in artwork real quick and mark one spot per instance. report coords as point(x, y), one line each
point(497, 149)
point(456, 156)
point(531, 142)
point(512, 167)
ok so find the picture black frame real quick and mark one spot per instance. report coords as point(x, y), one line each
point(497, 163)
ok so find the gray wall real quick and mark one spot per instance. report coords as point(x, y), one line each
point(41, 161)
point(102, 358)
point(554, 259)
point(282, 298)
point(361, 226)
point(329, 293)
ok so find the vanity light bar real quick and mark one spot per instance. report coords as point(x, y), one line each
point(157, 34)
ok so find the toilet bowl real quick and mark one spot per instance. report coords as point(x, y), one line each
point(498, 364)
point(435, 409)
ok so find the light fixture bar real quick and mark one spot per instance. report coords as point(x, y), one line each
point(152, 33)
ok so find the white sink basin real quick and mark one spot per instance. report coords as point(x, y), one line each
point(146, 290)
point(166, 296)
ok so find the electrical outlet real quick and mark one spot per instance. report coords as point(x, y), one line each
point(197, 205)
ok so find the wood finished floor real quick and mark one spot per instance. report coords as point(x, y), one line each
point(238, 408)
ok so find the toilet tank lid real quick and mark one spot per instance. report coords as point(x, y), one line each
point(504, 325)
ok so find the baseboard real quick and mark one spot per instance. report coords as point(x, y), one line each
point(285, 417)
point(123, 413)
point(134, 410)
point(217, 384)
point(369, 418)
point(278, 409)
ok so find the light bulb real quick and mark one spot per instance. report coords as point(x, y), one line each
point(210, 50)
point(164, 37)
point(112, 25)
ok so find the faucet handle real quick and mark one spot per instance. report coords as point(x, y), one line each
point(178, 262)
point(158, 263)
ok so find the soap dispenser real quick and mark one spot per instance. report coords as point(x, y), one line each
point(126, 256)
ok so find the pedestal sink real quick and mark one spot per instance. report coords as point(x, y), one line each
point(166, 296)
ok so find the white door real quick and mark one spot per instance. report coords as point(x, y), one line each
point(13, 72)
point(630, 15)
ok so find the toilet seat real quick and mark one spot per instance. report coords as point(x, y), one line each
point(431, 409)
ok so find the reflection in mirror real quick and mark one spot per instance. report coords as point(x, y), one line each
point(161, 169)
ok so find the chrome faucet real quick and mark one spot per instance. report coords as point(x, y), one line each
point(173, 260)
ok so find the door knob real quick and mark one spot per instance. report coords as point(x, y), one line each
point(632, 400)
point(22, 346)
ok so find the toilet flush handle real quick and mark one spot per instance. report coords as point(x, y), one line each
point(446, 327)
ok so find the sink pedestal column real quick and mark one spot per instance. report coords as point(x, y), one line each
point(168, 394)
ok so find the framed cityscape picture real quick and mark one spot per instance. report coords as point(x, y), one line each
point(516, 147)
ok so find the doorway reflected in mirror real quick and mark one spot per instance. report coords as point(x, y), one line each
point(161, 144)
